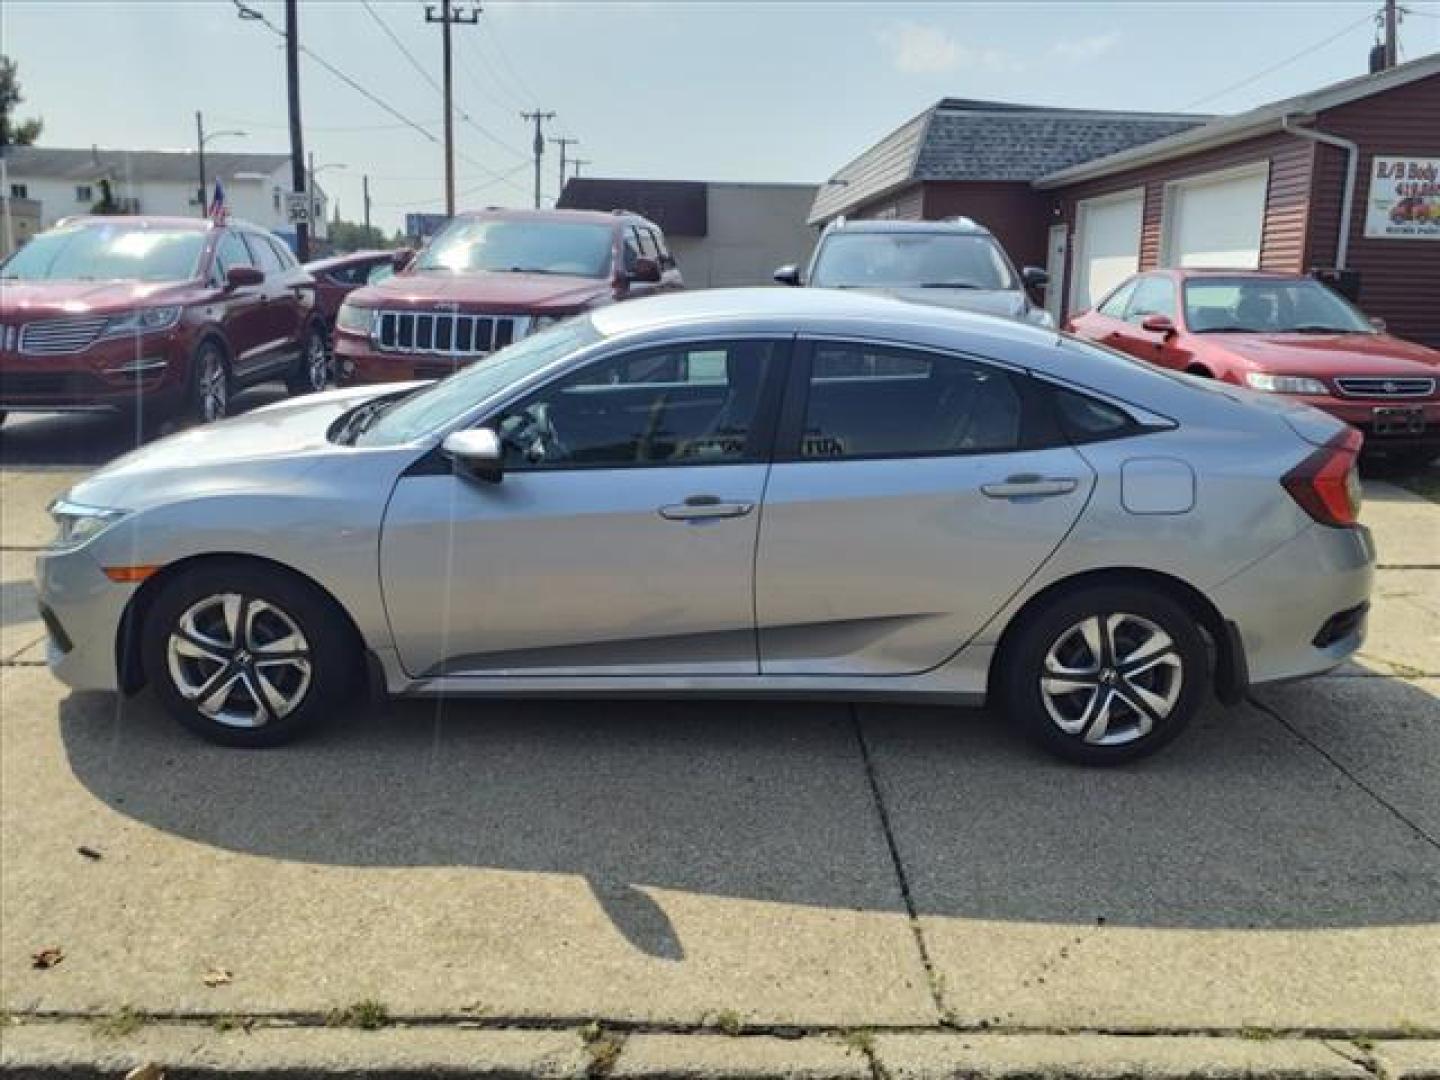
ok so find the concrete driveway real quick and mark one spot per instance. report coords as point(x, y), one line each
point(756, 867)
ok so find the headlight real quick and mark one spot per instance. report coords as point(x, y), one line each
point(1284, 384)
point(142, 321)
point(76, 524)
point(353, 319)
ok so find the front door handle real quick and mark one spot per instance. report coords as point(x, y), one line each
point(1030, 485)
point(704, 507)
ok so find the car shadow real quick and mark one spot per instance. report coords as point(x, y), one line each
point(1239, 825)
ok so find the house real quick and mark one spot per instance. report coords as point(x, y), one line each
point(721, 234)
point(164, 182)
point(1264, 188)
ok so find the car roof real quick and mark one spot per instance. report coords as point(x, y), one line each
point(1186, 272)
point(963, 226)
point(142, 221)
point(591, 217)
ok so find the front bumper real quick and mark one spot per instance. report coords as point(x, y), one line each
point(1300, 610)
point(358, 362)
point(82, 610)
point(109, 376)
point(1361, 413)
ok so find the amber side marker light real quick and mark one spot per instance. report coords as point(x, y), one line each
point(129, 575)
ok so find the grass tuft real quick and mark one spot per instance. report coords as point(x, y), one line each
point(368, 1015)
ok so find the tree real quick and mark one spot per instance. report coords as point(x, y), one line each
point(14, 132)
point(107, 203)
point(351, 236)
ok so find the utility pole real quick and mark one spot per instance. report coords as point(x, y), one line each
point(577, 162)
point(539, 117)
point(1392, 40)
point(200, 142)
point(297, 137)
point(562, 143)
point(448, 17)
point(365, 189)
point(310, 187)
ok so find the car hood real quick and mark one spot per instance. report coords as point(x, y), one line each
point(1007, 303)
point(28, 299)
point(231, 455)
point(505, 293)
point(1329, 354)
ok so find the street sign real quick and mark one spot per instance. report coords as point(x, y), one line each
point(297, 208)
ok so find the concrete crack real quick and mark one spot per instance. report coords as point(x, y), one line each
point(1339, 766)
point(931, 979)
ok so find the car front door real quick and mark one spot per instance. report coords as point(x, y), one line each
point(283, 305)
point(909, 500)
point(1105, 324)
point(1154, 295)
point(621, 539)
point(243, 308)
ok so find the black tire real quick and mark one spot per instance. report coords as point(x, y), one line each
point(311, 372)
point(211, 386)
point(330, 653)
point(1131, 612)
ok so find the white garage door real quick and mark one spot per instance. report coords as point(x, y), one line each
point(1216, 220)
point(1107, 245)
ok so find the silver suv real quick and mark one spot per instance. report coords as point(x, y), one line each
point(956, 263)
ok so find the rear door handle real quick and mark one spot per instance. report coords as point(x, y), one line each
point(1030, 485)
point(704, 507)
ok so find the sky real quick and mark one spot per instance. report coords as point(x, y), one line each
point(761, 90)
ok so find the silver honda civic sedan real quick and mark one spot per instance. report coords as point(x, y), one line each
point(762, 493)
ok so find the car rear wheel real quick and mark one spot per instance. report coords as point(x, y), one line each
point(312, 369)
point(210, 384)
point(1106, 675)
point(245, 655)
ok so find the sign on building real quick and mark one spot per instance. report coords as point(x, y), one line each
point(297, 208)
point(1404, 199)
point(424, 226)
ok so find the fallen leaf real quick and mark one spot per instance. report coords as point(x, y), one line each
point(217, 976)
point(47, 958)
point(88, 852)
point(148, 1071)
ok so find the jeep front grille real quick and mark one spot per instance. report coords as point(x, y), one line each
point(1377, 386)
point(446, 334)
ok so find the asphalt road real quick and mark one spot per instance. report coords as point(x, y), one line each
point(671, 862)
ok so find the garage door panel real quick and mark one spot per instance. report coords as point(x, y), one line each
point(1216, 221)
point(1107, 245)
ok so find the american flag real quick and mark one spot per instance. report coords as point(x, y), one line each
point(217, 204)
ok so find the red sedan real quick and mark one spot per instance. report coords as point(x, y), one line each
point(1283, 334)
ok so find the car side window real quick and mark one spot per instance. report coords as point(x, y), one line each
point(1114, 305)
point(1153, 295)
point(287, 257)
point(648, 247)
point(1086, 419)
point(868, 401)
point(658, 239)
point(264, 255)
point(678, 405)
point(377, 273)
point(230, 251)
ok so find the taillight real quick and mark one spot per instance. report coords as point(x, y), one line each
point(1327, 483)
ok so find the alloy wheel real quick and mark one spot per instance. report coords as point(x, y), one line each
point(240, 660)
point(317, 362)
point(214, 388)
point(1110, 679)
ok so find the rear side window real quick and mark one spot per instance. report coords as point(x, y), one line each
point(1086, 419)
point(868, 401)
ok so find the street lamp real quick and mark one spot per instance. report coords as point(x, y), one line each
point(316, 170)
point(201, 139)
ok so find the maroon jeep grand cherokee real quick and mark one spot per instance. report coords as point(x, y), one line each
point(153, 315)
point(489, 278)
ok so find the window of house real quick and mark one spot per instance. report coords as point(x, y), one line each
point(84, 194)
point(678, 405)
point(19, 191)
point(875, 401)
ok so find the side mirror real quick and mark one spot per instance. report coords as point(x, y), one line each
point(1378, 323)
point(237, 277)
point(1034, 277)
point(1158, 324)
point(477, 451)
point(789, 274)
point(645, 270)
point(402, 258)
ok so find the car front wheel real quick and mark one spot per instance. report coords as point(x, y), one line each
point(1106, 675)
point(247, 655)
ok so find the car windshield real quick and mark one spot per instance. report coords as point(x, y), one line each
point(497, 245)
point(108, 252)
point(873, 260)
point(446, 401)
point(1268, 306)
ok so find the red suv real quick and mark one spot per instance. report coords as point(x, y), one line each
point(1282, 334)
point(489, 278)
point(337, 276)
point(158, 314)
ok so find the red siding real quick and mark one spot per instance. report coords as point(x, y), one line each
point(1287, 200)
point(1399, 279)
point(1016, 213)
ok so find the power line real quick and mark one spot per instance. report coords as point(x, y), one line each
point(315, 127)
point(520, 83)
point(395, 38)
point(503, 178)
point(1368, 17)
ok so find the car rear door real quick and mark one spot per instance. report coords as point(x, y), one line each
point(909, 500)
point(622, 538)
